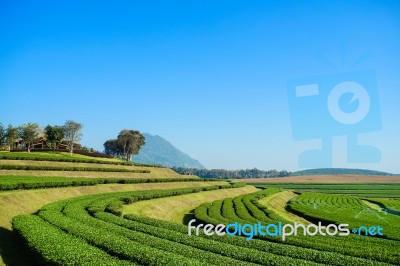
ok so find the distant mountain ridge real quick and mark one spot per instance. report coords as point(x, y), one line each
point(340, 171)
point(158, 150)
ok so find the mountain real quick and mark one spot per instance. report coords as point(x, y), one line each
point(158, 150)
point(339, 171)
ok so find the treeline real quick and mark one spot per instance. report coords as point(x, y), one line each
point(28, 135)
point(227, 174)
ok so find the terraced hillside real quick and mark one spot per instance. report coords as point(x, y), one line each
point(90, 222)
point(333, 250)
point(26, 191)
point(68, 219)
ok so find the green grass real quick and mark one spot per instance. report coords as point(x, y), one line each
point(175, 209)
point(58, 156)
point(51, 185)
point(66, 157)
point(278, 202)
point(34, 182)
point(86, 226)
point(389, 205)
point(375, 190)
point(59, 248)
point(145, 244)
point(54, 168)
point(141, 240)
point(247, 209)
point(13, 203)
point(67, 168)
point(345, 209)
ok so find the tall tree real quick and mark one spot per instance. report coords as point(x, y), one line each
point(29, 133)
point(54, 135)
point(131, 142)
point(72, 133)
point(114, 148)
point(11, 135)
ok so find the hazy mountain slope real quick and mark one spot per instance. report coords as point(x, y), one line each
point(158, 150)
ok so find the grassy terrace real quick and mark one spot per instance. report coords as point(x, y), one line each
point(25, 191)
point(90, 222)
point(69, 164)
point(368, 190)
point(125, 218)
point(13, 203)
point(87, 219)
point(28, 201)
point(154, 172)
point(177, 209)
point(278, 201)
point(56, 156)
point(352, 250)
point(50, 160)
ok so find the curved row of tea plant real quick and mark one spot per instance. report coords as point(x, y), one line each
point(274, 248)
point(388, 205)
point(67, 168)
point(345, 209)
point(122, 246)
point(245, 209)
point(55, 157)
point(369, 190)
point(52, 246)
point(208, 246)
point(85, 218)
point(31, 182)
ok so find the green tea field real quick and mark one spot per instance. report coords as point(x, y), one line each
point(54, 213)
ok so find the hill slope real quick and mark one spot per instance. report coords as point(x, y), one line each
point(158, 150)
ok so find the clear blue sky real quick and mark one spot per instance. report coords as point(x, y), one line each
point(209, 76)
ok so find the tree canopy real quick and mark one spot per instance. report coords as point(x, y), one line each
point(2, 134)
point(72, 133)
point(29, 133)
point(54, 135)
point(113, 148)
point(11, 135)
point(127, 144)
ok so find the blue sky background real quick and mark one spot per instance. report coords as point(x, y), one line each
point(209, 76)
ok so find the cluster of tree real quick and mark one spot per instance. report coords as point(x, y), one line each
point(127, 144)
point(222, 173)
point(29, 134)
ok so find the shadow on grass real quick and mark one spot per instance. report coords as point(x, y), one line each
point(187, 217)
point(12, 250)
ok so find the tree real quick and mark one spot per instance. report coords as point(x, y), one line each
point(2, 135)
point(72, 133)
point(113, 147)
point(29, 133)
point(54, 135)
point(11, 135)
point(131, 142)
